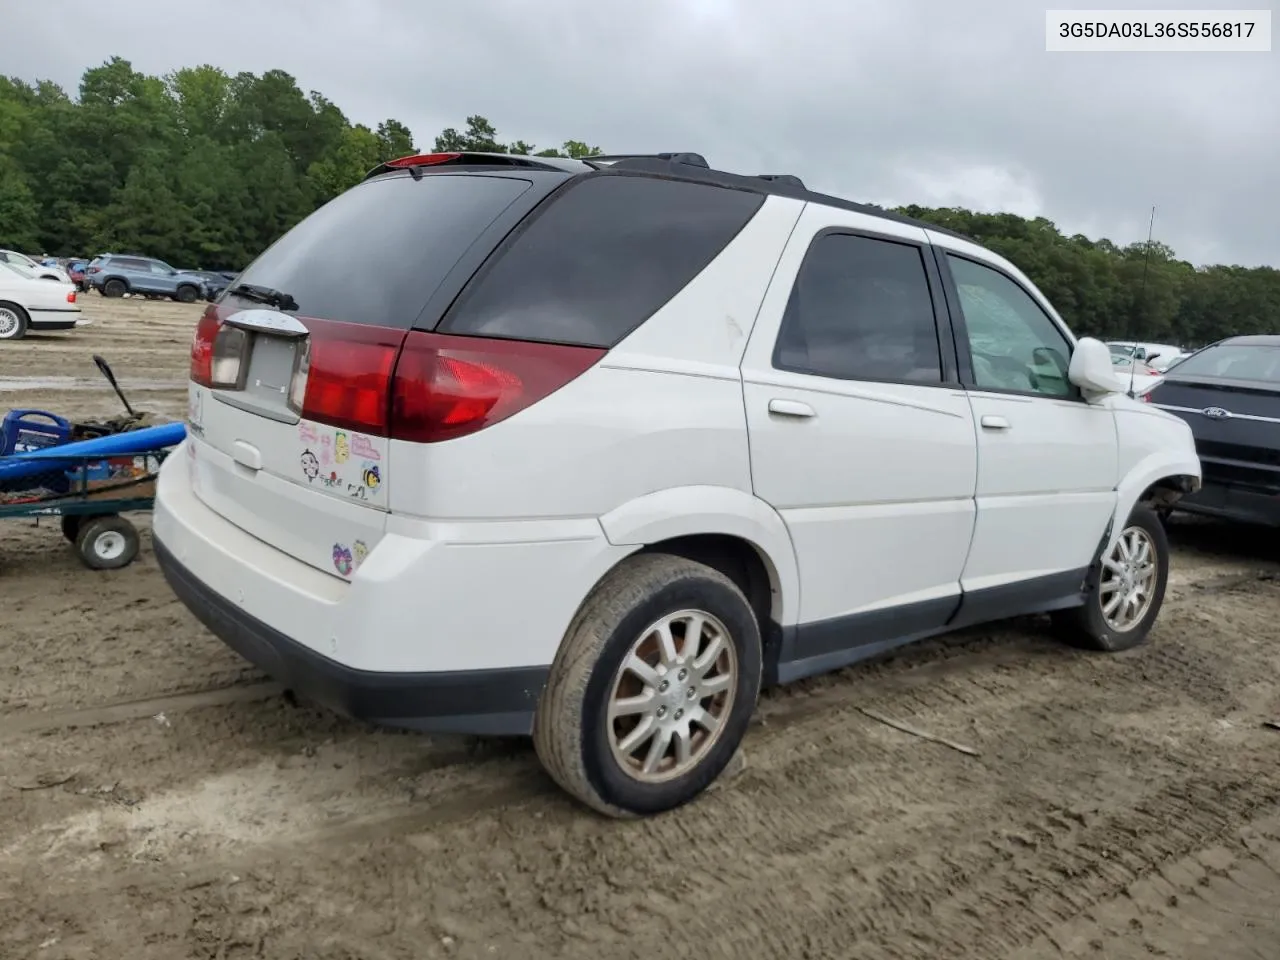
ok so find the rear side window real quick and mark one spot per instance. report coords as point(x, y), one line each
point(861, 310)
point(600, 259)
point(376, 253)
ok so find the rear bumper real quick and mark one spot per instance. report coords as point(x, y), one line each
point(1232, 502)
point(54, 319)
point(485, 702)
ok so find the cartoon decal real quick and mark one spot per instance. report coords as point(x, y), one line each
point(342, 559)
point(370, 476)
point(307, 433)
point(326, 450)
point(341, 449)
point(310, 465)
point(362, 447)
point(359, 550)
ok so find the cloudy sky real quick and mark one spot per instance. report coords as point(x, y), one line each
point(939, 102)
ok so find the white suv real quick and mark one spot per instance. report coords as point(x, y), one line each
point(592, 450)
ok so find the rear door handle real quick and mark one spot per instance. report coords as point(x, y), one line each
point(791, 408)
point(990, 422)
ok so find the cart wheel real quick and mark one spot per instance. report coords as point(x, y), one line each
point(71, 526)
point(107, 543)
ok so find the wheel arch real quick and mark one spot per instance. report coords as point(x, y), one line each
point(728, 529)
point(1158, 480)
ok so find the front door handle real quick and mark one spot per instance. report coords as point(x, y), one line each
point(791, 408)
point(990, 422)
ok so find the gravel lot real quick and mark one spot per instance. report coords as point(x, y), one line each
point(159, 798)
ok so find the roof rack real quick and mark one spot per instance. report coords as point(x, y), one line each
point(787, 178)
point(609, 159)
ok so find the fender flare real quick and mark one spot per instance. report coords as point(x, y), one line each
point(1152, 468)
point(690, 511)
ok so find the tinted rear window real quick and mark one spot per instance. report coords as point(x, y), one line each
point(1233, 361)
point(377, 252)
point(600, 259)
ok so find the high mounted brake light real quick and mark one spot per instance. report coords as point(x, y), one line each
point(423, 160)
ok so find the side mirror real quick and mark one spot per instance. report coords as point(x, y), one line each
point(1153, 356)
point(1092, 369)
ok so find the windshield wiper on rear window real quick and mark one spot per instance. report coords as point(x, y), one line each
point(267, 295)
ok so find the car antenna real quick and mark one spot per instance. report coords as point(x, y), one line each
point(1142, 301)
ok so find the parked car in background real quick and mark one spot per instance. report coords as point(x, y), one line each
point(1150, 353)
point(215, 281)
point(114, 275)
point(1137, 374)
point(29, 302)
point(75, 272)
point(1229, 393)
point(590, 454)
point(41, 271)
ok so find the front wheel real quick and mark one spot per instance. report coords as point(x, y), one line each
point(1124, 590)
point(187, 294)
point(652, 690)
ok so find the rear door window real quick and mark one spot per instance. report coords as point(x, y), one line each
point(861, 309)
point(374, 254)
point(601, 258)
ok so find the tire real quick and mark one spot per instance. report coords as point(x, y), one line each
point(107, 543)
point(187, 294)
point(70, 524)
point(13, 321)
point(1088, 627)
point(115, 288)
point(573, 735)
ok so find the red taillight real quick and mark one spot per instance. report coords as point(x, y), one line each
point(347, 372)
point(95, 269)
point(423, 160)
point(202, 347)
point(71, 296)
point(447, 387)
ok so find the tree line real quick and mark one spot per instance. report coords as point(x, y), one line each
point(204, 169)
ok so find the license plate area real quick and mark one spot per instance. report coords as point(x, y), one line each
point(268, 367)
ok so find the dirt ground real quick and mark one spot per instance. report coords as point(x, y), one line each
point(161, 799)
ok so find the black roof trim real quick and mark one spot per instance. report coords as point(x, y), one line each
point(782, 185)
point(608, 159)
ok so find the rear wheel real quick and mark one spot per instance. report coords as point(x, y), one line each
point(107, 543)
point(1124, 590)
point(652, 690)
point(115, 288)
point(13, 321)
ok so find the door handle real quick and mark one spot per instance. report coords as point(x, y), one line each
point(791, 408)
point(990, 422)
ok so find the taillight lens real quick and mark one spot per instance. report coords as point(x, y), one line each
point(217, 352)
point(346, 380)
point(447, 387)
point(95, 269)
point(71, 296)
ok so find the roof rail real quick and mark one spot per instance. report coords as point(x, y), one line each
point(788, 178)
point(607, 160)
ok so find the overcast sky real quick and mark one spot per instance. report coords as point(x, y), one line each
point(938, 102)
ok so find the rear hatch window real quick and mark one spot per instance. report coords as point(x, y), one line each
point(344, 286)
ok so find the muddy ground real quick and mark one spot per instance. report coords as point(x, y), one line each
point(161, 799)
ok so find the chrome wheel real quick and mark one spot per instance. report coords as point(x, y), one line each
point(9, 323)
point(672, 696)
point(1128, 580)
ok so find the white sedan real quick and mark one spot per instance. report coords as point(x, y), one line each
point(41, 270)
point(30, 302)
point(1141, 374)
